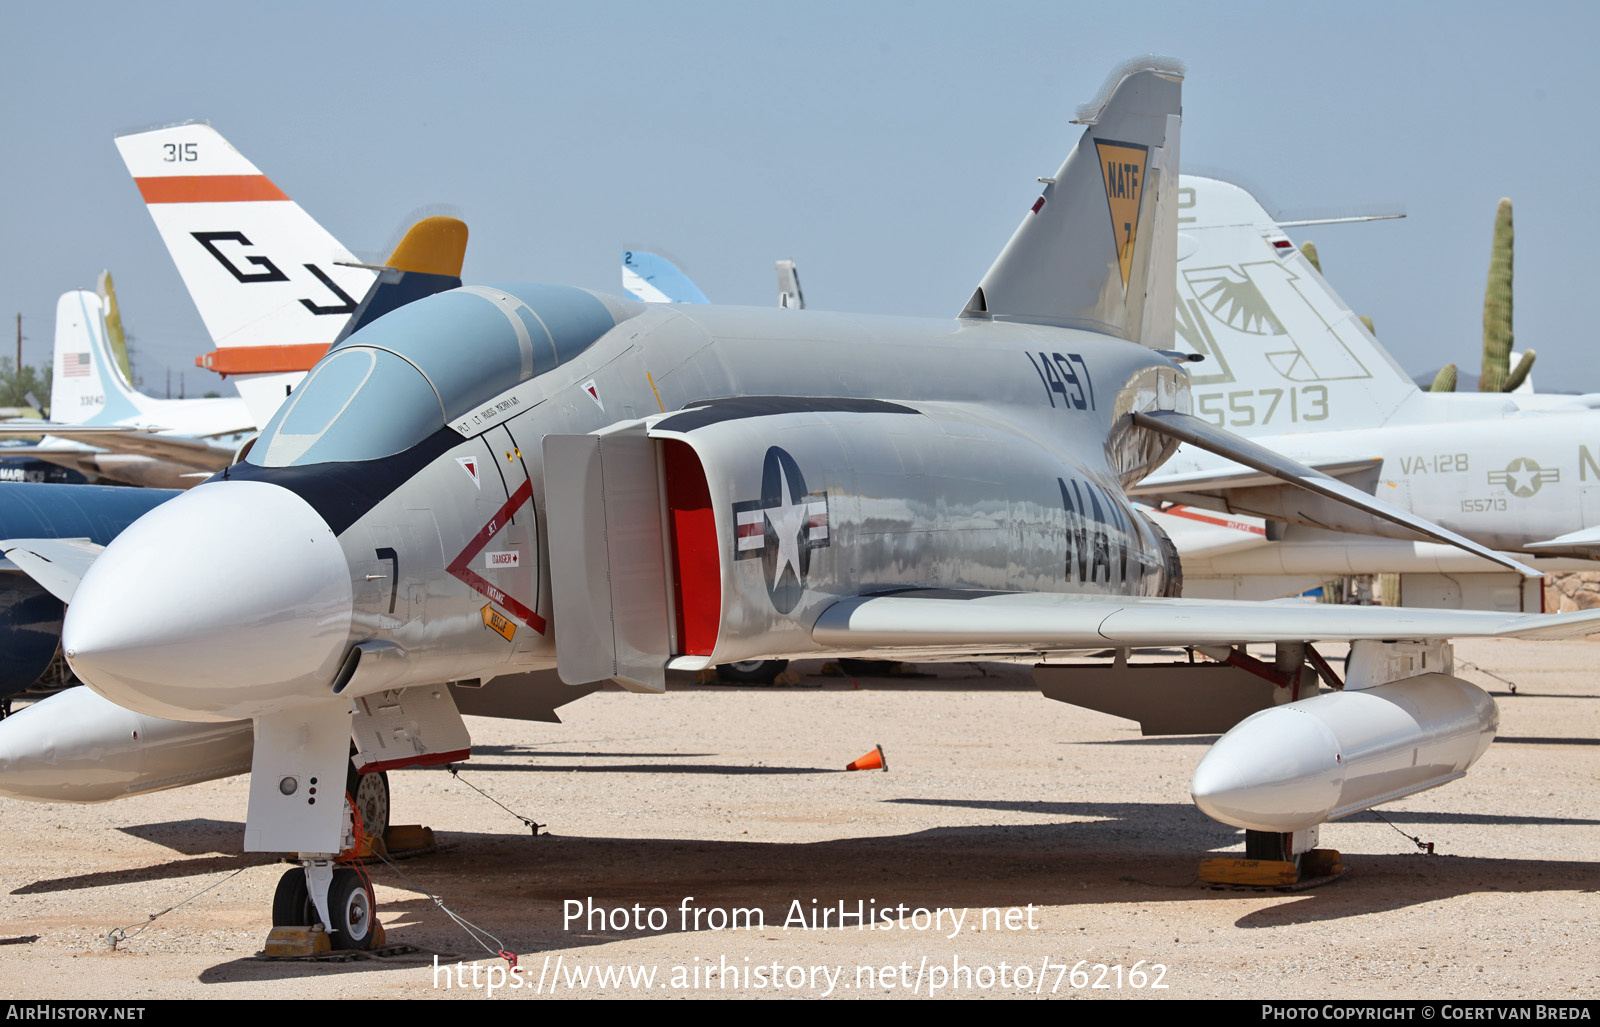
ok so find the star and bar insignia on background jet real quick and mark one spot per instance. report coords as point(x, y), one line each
point(1523, 477)
point(782, 528)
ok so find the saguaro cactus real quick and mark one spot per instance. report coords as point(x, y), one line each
point(1445, 380)
point(1497, 337)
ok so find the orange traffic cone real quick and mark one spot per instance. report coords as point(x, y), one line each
point(874, 760)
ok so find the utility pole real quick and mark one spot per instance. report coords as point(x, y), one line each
point(19, 342)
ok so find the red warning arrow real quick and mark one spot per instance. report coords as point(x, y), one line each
point(477, 582)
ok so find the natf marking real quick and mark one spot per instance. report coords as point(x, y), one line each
point(496, 623)
point(1122, 168)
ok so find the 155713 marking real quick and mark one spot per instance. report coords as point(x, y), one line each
point(1243, 408)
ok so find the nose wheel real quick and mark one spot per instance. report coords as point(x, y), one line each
point(352, 910)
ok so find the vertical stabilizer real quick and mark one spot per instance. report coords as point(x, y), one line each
point(85, 387)
point(1269, 325)
point(789, 295)
point(655, 279)
point(260, 270)
point(1097, 249)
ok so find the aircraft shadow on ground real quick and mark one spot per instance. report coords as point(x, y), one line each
point(638, 768)
point(515, 889)
point(530, 751)
point(193, 867)
point(1154, 740)
point(1416, 880)
point(197, 837)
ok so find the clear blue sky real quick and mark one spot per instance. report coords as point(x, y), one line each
point(889, 148)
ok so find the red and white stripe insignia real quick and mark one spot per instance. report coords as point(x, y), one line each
point(817, 520)
point(75, 365)
point(752, 529)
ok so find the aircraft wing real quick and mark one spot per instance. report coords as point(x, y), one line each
point(1235, 477)
point(1205, 435)
point(936, 623)
point(56, 563)
point(141, 441)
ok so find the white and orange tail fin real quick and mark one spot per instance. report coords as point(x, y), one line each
point(261, 271)
point(86, 386)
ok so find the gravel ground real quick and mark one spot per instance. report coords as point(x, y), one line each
point(717, 799)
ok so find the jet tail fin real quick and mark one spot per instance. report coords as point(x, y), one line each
point(1270, 325)
point(655, 279)
point(1098, 249)
point(261, 271)
point(427, 260)
point(789, 295)
point(85, 385)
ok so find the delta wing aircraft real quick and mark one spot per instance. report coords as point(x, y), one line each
point(501, 486)
point(1290, 366)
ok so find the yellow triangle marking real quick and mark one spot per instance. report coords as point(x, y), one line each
point(1122, 168)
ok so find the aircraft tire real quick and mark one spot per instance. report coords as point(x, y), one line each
point(752, 672)
point(370, 793)
point(354, 911)
point(291, 903)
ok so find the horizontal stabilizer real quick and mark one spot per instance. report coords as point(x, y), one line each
point(1582, 543)
point(56, 563)
point(1202, 433)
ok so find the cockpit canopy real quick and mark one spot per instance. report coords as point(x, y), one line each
point(403, 377)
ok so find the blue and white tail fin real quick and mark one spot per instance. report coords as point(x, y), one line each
point(86, 387)
point(655, 279)
point(1275, 335)
point(1097, 249)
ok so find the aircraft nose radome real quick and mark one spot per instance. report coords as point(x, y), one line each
point(1277, 770)
point(232, 600)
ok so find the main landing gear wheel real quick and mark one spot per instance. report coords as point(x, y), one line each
point(752, 672)
point(370, 793)
point(353, 909)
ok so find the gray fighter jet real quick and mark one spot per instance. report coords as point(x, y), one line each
point(513, 489)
